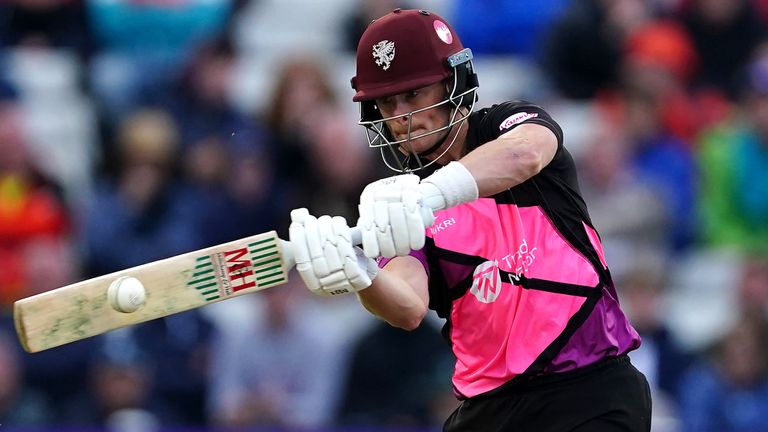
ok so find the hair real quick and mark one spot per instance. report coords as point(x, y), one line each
point(291, 69)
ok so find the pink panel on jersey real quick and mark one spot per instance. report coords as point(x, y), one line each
point(595, 239)
point(499, 329)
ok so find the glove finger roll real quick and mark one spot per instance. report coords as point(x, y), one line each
point(400, 229)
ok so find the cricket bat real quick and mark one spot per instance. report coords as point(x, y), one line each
point(172, 285)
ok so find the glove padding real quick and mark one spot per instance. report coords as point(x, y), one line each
point(391, 220)
point(326, 260)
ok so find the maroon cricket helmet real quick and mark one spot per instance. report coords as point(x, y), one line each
point(401, 51)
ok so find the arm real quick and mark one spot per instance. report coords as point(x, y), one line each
point(507, 161)
point(511, 159)
point(399, 293)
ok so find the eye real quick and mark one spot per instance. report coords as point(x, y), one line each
point(413, 93)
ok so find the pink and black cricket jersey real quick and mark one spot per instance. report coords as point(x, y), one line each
point(520, 277)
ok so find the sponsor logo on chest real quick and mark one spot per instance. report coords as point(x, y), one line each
point(486, 279)
point(486, 282)
point(443, 225)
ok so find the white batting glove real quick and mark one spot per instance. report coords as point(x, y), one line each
point(391, 220)
point(326, 260)
point(395, 211)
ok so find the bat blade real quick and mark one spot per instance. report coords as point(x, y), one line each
point(173, 285)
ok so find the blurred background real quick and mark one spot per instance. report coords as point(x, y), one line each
point(133, 130)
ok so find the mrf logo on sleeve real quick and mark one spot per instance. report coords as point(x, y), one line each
point(516, 118)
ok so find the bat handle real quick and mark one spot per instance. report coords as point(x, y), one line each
point(357, 236)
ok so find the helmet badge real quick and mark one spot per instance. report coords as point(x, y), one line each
point(384, 53)
point(443, 32)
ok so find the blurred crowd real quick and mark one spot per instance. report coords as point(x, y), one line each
point(133, 130)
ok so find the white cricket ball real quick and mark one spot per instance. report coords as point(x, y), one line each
point(126, 294)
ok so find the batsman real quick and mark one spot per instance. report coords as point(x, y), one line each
point(485, 225)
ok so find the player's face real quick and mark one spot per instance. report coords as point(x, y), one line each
point(401, 105)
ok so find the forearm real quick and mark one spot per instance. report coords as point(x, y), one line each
point(398, 294)
point(511, 159)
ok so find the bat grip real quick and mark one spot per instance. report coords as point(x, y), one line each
point(357, 236)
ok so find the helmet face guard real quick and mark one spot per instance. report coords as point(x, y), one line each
point(399, 155)
point(403, 51)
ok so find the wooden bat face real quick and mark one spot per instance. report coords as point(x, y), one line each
point(172, 285)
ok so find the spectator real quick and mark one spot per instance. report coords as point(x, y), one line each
point(725, 33)
point(37, 253)
point(583, 49)
point(660, 160)
point(47, 23)
point(643, 108)
point(753, 286)
point(59, 373)
point(237, 186)
point(140, 45)
point(20, 405)
point(660, 58)
point(729, 391)
point(199, 100)
point(118, 391)
point(227, 155)
point(279, 370)
point(179, 349)
point(341, 166)
point(408, 387)
point(661, 357)
point(144, 214)
point(35, 234)
point(307, 121)
point(301, 85)
point(631, 217)
point(667, 164)
point(733, 160)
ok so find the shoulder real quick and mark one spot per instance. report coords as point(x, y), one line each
point(513, 106)
point(500, 118)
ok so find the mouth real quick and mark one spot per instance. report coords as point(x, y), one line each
point(414, 133)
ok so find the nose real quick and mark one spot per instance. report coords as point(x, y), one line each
point(403, 119)
point(401, 111)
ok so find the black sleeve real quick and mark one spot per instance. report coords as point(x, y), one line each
point(503, 117)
